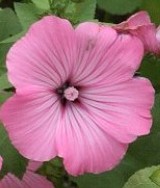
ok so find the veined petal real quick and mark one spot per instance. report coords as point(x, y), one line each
point(147, 34)
point(140, 25)
point(83, 146)
point(140, 18)
point(136, 20)
point(89, 45)
point(123, 110)
point(44, 56)
point(106, 59)
point(34, 119)
point(30, 180)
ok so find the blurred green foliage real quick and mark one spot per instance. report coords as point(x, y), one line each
point(13, 162)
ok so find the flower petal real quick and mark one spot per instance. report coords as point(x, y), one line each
point(30, 180)
point(106, 59)
point(140, 25)
point(158, 39)
point(34, 119)
point(43, 57)
point(147, 34)
point(140, 18)
point(34, 165)
point(122, 110)
point(136, 20)
point(83, 146)
point(1, 162)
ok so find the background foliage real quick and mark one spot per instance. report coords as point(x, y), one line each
point(15, 18)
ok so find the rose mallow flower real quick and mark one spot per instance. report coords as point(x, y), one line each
point(76, 94)
point(140, 25)
point(30, 179)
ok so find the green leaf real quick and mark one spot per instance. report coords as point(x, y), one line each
point(152, 7)
point(4, 83)
point(13, 162)
point(119, 7)
point(3, 52)
point(156, 115)
point(54, 171)
point(142, 179)
point(14, 38)
point(42, 4)
point(85, 10)
point(2, 70)
point(155, 177)
point(27, 13)
point(9, 24)
point(4, 96)
point(150, 69)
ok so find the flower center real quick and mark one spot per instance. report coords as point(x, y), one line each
point(71, 93)
point(68, 92)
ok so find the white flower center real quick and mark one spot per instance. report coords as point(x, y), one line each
point(71, 93)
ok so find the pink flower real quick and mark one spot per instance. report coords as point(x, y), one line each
point(76, 95)
point(1, 161)
point(158, 38)
point(141, 26)
point(29, 180)
point(34, 165)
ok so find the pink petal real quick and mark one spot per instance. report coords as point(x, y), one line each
point(87, 44)
point(140, 18)
point(34, 120)
point(158, 34)
point(84, 146)
point(140, 25)
point(10, 181)
point(30, 180)
point(1, 162)
point(34, 165)
point(158, 39)
point(44, 57)
point(106, 59)
point(123, 110)
point(136, 20)
point(147, 34)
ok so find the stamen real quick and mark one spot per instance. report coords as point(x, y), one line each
point(71, 93)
